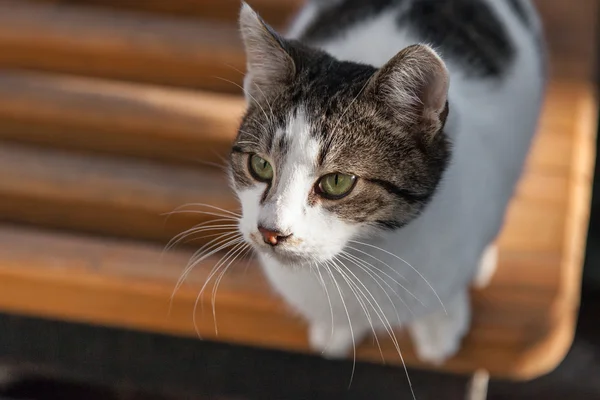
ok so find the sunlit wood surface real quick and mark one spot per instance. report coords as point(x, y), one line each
point(103, 130)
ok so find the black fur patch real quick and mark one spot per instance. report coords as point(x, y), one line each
point(467, 31)
point(463, 30)
point(334, 19)
point(520, 11)
point(403, 194)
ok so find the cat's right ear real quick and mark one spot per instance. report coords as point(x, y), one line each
point(414, 87)
point(268, 64)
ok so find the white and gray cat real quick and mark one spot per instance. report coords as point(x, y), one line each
point(380, 148)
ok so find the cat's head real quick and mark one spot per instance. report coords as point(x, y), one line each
point(330, 150)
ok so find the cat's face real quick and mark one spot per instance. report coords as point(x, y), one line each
point(329, 150)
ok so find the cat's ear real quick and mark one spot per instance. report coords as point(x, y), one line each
point(268, 64)
point(414, 84)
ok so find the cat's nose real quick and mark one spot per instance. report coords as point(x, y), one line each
point(271, 236)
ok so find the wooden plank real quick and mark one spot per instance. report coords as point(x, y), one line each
point(104, 195)
point(571, 34)
point(120, 45)
point(48, 187)
point(523, 322)
point(275, 11)
point(146, 121)
point(64, 36)
point(187, 126)
point(567, 28)
point(129, 285)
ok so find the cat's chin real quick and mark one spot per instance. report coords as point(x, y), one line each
point(285, 257)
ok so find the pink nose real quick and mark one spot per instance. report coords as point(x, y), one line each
point(272, 237)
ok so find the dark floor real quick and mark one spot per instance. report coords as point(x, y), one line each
point(578, 378)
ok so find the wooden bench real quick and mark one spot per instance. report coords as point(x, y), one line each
point(105, 127)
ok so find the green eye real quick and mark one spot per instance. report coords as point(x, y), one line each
point(335, 186)
point(260, 168)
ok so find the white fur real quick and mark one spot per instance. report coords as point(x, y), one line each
point(491, 124)
point(487, 267)
point(317, 234)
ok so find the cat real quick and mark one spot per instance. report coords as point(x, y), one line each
point(381, 145)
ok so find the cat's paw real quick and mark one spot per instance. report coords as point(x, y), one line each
point(433, 348)
point(438, 336)
point(487, 267)
point(333, 344)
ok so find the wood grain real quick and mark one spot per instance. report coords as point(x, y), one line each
point(76, 191)
point(120, 45)
point(104, 195)
point(178, 125)
point(277, 12)
point(66, 36)
point(129, 285)
point(568, 28)
point(523, 323)
point(148, 121)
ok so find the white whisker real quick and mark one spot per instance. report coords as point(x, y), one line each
point(267, 101)
point(222, 242)
point(214, 270)
point(408, 264)
point(241, 250)
point(383, 272)
point(247, 142)
point(324, 284)
point(231, 213)
point(379, 261)
point(384, 321)
point(200, 253)
point(374, 276)
point(362, 304)
point(247, 93)
point(205, 226)
point(249, 134)
point(349, 323)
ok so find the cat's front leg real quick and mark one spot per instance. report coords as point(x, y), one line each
point(438, 336)
point(487, 266)
point(337, 342)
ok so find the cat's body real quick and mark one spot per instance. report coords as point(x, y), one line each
point(495, 64)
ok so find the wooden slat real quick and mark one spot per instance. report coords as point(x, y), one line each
point(176, 125)
point(120, 45)
point(568, 29)
point(145, 121)
point(64, 36)
point(571, 34)
point(184, 126)
point(523, 323)
point(128, 285)
point(104, 195)
point(277, 12)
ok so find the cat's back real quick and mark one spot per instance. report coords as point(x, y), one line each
point(495, 55)
point(480, 39)
point(494, 51)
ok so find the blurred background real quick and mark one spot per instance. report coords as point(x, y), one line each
point(115, 118)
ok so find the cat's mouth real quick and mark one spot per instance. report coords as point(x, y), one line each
point(284, 253)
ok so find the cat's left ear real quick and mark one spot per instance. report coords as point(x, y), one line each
point(268, 64)
point(414, 85)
